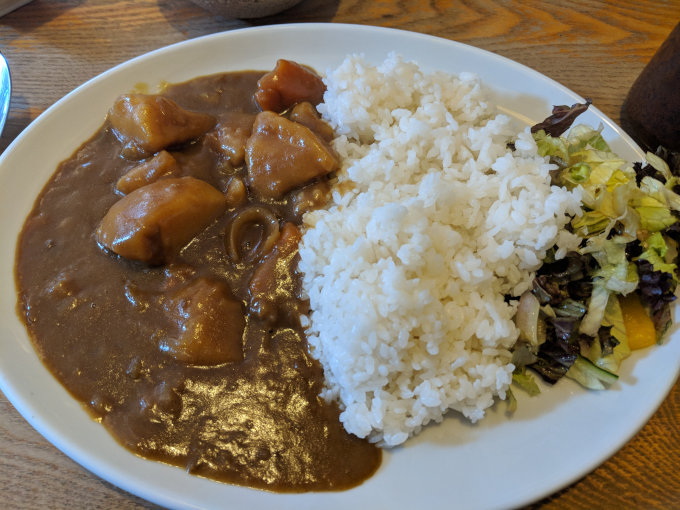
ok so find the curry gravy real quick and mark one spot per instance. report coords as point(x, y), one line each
point(100, 323)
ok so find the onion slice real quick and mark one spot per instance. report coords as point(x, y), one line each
point(528, 321)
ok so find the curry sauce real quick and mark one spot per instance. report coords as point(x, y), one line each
point(195, 355)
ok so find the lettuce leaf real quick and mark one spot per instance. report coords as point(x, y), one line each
point(526, 381)
point(590, 324)
point(551, 146)
point(655, 254)
point(629, 215)
point(616, 273)
point(612, 320)
point(589, 375)
point(562, 118)
point(582, 136)
point(660, 165)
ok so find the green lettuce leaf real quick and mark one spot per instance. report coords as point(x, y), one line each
point(616, 273)
point(612, 318)
point(522, 378)
point(654, 216)
point(660, 165)
point(589, 375)
point(582, 136)
point(663, 194)
point(551, 146)
point(655, 254)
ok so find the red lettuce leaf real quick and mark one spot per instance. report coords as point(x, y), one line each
point(562, 118)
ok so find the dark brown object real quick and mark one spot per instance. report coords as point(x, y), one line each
point(651, 111)
point(245, 9)
point(562, 118)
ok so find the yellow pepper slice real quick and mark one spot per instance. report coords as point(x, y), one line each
point(639, 326)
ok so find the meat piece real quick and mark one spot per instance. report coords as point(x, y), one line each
point(149, 123)
point(310, 198)
point(161, 165)
point(272, 286)
point(231, 134)
point(209, 324)
point(305, 113)
point(289, 83)
point(282, 155)
point(154, 222)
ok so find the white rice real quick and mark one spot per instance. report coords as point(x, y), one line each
point(432, 223)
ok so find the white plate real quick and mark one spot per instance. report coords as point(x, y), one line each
point(502, 462)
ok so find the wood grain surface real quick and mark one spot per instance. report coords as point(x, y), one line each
point(596, 48)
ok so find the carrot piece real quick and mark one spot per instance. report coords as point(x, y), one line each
point(639, 326)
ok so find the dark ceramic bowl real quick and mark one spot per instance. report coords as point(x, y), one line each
point(246, 8)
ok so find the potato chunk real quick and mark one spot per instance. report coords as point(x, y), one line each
point(282, 155)
point(149, 123)
point(161, 165)
point(287, 84)
point(209, 324)
point(154, 222)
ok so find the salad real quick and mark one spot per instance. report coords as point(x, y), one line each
point(587, 311)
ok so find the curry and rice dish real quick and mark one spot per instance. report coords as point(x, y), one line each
point(157, 277)
point(264, 277)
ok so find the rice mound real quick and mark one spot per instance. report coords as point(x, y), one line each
point(432, 222)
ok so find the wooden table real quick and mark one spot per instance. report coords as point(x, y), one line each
point(595, 48)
